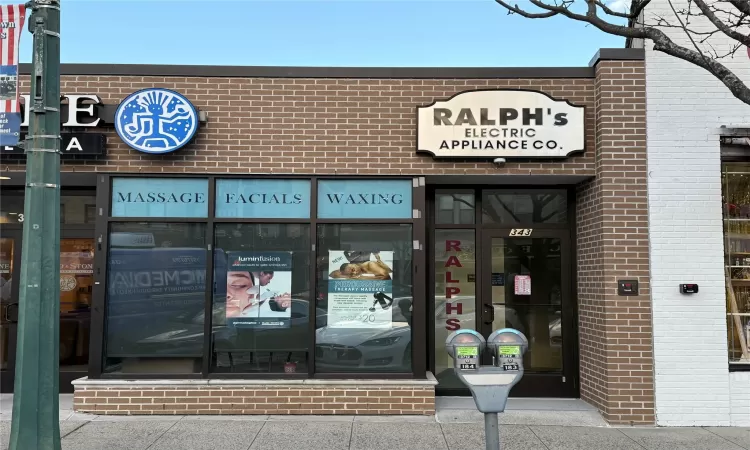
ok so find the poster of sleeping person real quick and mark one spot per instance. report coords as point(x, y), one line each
point(259, 286)
point(360, 289)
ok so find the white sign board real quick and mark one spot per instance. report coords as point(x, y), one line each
point(522, 285)
point(500, 124)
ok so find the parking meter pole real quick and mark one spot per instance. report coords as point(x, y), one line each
point(35, 421)
point(489, 385)
point(491, 432)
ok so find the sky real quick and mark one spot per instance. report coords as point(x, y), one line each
point(396, 33)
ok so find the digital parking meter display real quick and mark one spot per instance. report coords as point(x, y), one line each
point(509, 357)
point(467, 358)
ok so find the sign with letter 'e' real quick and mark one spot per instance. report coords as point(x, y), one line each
point(501, 124)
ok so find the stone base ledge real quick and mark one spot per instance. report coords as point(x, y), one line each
point(277, 396)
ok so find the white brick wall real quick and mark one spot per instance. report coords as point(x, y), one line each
point(739, 383)
point(686, 107)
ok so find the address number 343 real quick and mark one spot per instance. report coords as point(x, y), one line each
point(521, 232)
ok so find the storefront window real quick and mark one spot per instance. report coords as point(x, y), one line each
point(510, 208)
point(455, 295)
point(11, 208)
point(76, 285)
point(736, 212)
point(364, 298)
point(77, 209)
point(156, 281)
point(74, 209)
point(7, 249)
point(261, 298)
point(455, 209)
point(265, 305)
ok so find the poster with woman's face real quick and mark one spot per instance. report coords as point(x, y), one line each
point(259, 286)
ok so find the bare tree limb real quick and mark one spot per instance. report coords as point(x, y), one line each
point(721, 26)
point(683, 25)
point(528, 15)
point(741, 5)
point(637, 29)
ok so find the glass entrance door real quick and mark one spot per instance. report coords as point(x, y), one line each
point(524, 284)
point(76, 286)
point(10, 247)
point(76, 283)
point(501, 258)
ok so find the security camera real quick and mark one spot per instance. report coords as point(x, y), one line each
point(499, 161)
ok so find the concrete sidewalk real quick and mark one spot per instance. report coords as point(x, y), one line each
point(453, 428)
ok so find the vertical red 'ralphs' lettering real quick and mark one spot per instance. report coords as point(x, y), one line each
point(452, 324)
point(452, 246)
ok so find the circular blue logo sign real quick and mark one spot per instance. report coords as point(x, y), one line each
point(156, 121)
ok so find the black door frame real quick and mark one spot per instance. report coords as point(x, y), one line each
point(532, 384)
point(67, 376)
point(571, 372)
point(10, 309)
point(84, 187)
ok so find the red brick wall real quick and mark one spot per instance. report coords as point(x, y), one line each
point(323, 126)
point(615, 331)
point(592, 367)
point(254, 399)
point(368, 126)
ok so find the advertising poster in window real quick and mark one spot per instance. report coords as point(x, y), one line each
point(259, 286)
point(360, 289)
point(76, 274)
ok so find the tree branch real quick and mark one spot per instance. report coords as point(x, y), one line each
point(741, 5)
point(684, 27)
point(592, 18)
point(635, 10)
point(661, 41)
point(515, 9)
point(724, 28)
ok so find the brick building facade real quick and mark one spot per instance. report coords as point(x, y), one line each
point(318, 124)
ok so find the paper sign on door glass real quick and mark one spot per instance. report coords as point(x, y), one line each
point(522, 285)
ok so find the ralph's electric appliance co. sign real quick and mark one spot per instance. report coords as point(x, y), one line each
point(500, 124)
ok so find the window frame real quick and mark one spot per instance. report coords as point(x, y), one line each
point(419, 273)
point(731, 155)
point(316, 288)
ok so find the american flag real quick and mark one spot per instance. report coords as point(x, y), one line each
point(11, 25)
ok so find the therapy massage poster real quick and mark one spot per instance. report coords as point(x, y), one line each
point(360, 289)
point(259, 286)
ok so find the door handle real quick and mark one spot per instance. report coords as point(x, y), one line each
point(7, 313)
point(489, 314)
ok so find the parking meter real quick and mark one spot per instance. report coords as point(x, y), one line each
point(489, 385)
point(508, 347)
point(465, 347)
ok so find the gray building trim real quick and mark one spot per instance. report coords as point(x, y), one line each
point(319, 72)
point(618, 54)
point(504, 179)
point(159, 70)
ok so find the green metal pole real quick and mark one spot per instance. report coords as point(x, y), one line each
point(35, 418)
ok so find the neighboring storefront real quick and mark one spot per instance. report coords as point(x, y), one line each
point(699, 209)
point(302, 240)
